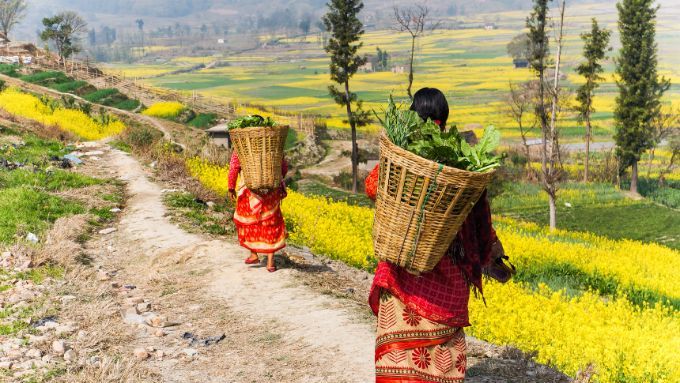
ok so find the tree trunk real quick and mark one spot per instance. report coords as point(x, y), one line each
point(552, 201)
point(649, 164)
point(586, 164)
point(353, 126)
point(634, 177)
point(410, 68)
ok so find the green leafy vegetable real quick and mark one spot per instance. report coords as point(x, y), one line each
point(251, 121)
point(425, 139)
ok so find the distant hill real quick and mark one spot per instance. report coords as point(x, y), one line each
point(241, 14)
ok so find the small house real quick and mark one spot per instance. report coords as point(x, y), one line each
point(490, 26)
point(220, 135)
point(399, 69)
point(366, 68)
point(520, 63)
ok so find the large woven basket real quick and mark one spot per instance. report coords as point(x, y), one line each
point(420, 207)
point(260, 151)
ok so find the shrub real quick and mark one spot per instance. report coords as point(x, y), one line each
point(141, 138)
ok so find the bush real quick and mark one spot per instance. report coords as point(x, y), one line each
point(141, 137)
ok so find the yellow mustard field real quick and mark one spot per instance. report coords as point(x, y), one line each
point(50, 113)
point(170, 109)
point(622, 340)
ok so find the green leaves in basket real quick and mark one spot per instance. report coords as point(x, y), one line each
point(425, 139)
point(251, 121)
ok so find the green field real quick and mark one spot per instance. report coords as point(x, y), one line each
point(471, 66)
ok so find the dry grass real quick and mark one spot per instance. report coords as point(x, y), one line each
point(43, 131)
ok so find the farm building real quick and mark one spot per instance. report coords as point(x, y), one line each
point(220, 135)
point(520, 63)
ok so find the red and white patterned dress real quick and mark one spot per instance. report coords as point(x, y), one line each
point(258, 217)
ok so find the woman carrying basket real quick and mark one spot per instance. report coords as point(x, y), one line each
point(258, 217)
point(420, 335)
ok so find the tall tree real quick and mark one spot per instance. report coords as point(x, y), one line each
point(11, 13)
point(305, 24)
point(346, 29)
point(64, 31)
point(594, 50)
point(140, 26)
point(412, 20)
point(539, 61)
point(640, 88)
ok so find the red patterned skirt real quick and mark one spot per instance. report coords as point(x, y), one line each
point(259, 221)
point(413, 349)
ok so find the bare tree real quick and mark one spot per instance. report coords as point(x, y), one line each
point(664, 126)
point(550, 156)
point(11, 13)
point(412, 20)
point(520, 103)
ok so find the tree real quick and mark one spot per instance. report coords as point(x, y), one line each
point(412, 20)
point(343, 46)
point(519, 47)
point(305, 24)
point(664, 127)
point(140, 26)
point(640, 88)
point(64, 30)
point(594, 51)
point(519, 104)
point(11, 13)
point(539, 62)
point(381, 60)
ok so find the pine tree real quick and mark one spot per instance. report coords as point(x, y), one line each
point(594, 51)
point(343, 46)
point(640, 88)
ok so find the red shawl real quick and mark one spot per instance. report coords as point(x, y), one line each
point(442, 294)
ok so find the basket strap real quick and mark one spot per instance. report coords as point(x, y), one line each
point(421, 215)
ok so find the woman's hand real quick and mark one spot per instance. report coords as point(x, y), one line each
point(232, 194)
point(498, 269)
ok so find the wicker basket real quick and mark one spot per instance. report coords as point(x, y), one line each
point(260, 151)
point(420, 206)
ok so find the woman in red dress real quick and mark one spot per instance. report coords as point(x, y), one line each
point(258, 217)
point(420, 337)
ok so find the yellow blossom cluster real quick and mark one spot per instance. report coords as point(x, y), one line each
point(334, 229)
point(169, 110)
point(213, 177)
point(48, 112)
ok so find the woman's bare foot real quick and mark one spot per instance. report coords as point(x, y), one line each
point(271, 264)
point(253, 259)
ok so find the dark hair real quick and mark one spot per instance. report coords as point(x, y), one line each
point(431, 103)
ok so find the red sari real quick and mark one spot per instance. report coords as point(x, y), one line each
point(438, 299)
point(258, 217)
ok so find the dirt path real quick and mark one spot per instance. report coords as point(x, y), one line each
point(309, 322)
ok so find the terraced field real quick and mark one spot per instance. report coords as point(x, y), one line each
point(471, 66)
